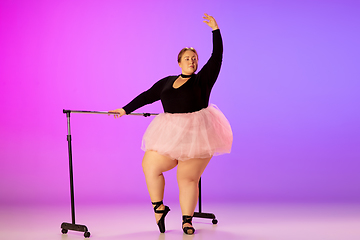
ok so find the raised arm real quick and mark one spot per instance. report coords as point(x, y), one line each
point(210, 71)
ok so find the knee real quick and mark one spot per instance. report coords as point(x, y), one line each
point(150, 170)
point(188, 177)
point(186, 180)
point(147, 168)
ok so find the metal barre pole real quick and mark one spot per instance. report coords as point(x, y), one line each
point(104, 112)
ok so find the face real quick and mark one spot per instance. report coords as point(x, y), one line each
point(189, 62)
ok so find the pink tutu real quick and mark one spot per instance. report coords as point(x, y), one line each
point(183, 136)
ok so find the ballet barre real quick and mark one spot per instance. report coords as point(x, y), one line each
point(82, 228)
point(108, 113)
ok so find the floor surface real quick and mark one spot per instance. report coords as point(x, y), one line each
point(235, 221)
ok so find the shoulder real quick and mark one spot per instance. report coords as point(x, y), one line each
point(163, 81)
point(172, 77)
point(169, 78)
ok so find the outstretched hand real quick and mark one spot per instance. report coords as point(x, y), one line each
point(210, 21)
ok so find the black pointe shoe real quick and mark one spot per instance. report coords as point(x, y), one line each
point(161, 222)
point(187, 230)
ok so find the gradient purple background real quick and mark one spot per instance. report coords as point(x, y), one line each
point(289, 86)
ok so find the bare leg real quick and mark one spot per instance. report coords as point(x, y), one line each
point(154, 164)
point(188, 175)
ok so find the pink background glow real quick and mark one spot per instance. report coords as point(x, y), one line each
point(289, 86)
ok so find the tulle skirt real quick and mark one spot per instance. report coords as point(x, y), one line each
point(183, 136)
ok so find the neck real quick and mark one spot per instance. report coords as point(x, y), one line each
point(185, 76)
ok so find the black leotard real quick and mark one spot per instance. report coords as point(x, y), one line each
point(193, 95)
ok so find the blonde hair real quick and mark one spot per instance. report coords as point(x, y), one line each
point(181, 53)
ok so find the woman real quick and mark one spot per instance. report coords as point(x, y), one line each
point(188, 134)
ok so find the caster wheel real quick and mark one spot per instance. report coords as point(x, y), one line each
point(87, 234)
point(64, 231)
point(214, 221)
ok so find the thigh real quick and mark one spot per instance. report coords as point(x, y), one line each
point(153, 161)
point(192, 169)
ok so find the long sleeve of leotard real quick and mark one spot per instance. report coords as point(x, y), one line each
point(210, 71)
point(149, 96)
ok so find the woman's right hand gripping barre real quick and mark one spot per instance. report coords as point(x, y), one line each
point(118, 112)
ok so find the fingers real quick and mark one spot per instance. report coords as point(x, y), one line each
point(116, 113)
point(208, 17)
point(210, 21)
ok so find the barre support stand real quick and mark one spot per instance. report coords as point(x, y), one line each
point(65, 227)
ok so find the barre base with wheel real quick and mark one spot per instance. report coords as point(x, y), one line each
point(201, 214)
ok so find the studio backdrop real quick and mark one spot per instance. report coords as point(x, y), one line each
point(289, 85)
